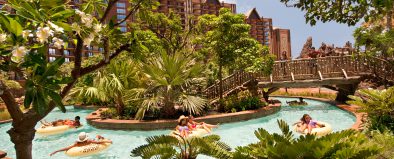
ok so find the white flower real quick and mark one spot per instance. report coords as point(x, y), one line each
point(26, 33)
point(58, 43)
point(19, 51)
point(97, 28)
point(88, 40)
point(3, 37)
point(87, 20)
point(44, 33)
point(57, 28)
point(76, 28)
point(80, 13)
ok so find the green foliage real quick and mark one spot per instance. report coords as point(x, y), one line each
point(227, 38)
point(166, 147)
point(376, 39)
point(379, 104)
point(344, 144)
point(110, 113)
point(344, 11)
point(385, 141)
point(172, 80)
point(235, 104)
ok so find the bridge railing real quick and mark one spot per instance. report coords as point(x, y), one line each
point(309, 69)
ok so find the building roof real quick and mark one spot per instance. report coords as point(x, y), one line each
point(212, 1)
point(252, 14)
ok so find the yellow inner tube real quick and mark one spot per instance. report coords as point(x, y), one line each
point(195, 133)
point(52, 130)
point(317, 131)
point(88, 150)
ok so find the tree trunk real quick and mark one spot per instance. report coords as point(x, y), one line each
point(389, 22)
point(168, 109)
point(22, 136)
point(120, 106)
point(253, 88)
point(221, 106)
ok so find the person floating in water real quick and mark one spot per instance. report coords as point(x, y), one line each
point(72, 123)
point(301, 102)
point(200, 125)
point(306, 122)
point(83, 139)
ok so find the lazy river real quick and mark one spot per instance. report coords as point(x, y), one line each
point(234, 134)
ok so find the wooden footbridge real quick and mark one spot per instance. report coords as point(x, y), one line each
point(340, 73)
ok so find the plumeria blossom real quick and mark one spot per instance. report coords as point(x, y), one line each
point(26, 34)
point(97, 28)
point(57, 28)
point(19, 51)
point(76, 28)
point(88, 40)
point(3, 37)
point(43, 34)
point(58, 43)
point(86, 19)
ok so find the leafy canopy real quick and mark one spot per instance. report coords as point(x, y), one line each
point(342, 11)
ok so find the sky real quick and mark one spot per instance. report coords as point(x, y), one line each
point(293, 19)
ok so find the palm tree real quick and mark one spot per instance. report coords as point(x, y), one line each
point(172, 80)
point(166, 147)
point(344, 144)
point(116, 83)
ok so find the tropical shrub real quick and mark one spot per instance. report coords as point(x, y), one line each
point(235, 104)
point(166, 147)
point(385, 141)
point(379, 104)
point(171, 80)
point(343, 144)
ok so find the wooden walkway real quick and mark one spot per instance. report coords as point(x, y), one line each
point(326, 71)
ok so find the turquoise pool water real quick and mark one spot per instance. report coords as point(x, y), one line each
point(235, 134)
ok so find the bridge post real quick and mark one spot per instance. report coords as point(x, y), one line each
point(344, 90)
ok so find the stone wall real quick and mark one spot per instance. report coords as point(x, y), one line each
point(95, 120)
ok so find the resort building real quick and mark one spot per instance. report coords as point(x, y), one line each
point(281, 44)
point(278, 40)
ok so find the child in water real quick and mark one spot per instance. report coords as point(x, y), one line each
point(307, 123)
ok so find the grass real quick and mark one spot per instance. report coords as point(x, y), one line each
point(306, 94)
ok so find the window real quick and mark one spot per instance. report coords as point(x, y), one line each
point(52, 51)
point(121, 17)
point(101, 49)
point(66, 52)
point(123, 29)
point(51, 59)
point(1, 6)
point(90, 54)
point(122, 11)
point(120, 5)
point(67, 59)
point(123, 23)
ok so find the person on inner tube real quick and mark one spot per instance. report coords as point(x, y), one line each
point(83, 139)
point(72, 123)
point(307, 123)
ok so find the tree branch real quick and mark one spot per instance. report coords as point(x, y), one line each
point(131, 12)
point(9, 100)
point(91, 68)
point(107, 10)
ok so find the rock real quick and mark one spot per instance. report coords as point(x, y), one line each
point(306, 48)
point(3, 154)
